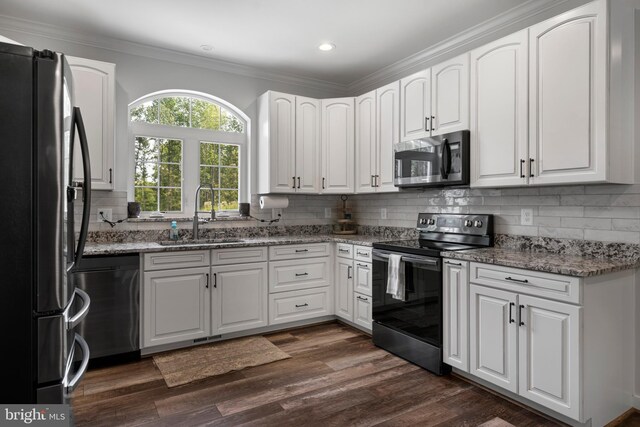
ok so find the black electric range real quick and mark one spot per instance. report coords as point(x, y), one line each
point(412, 327)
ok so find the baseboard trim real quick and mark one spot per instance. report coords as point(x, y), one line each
point(636, 402)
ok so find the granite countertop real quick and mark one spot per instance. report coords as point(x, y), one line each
point(141, 247)
point(569, 265)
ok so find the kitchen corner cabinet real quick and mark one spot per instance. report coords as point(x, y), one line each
point(435, 101)
point(455, 345)
point(176, 305)
point(499, 123)
point(377, 130)
point(94, 91)
point(338, 145)
point(239, 297)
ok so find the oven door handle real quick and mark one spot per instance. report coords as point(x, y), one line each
point(381, 256)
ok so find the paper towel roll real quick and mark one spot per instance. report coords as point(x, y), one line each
point(274, 202)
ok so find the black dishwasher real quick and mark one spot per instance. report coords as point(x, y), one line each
point(112, 327)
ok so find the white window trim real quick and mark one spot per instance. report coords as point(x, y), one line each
point(191, 138)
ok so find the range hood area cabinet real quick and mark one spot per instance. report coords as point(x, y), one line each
point(94, 88)
point(435, 101)
point(541, 110)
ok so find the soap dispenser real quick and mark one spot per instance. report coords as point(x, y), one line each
point(173, 231)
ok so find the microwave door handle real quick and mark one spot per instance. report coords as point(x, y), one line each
point(445, 164)
point(86, 186)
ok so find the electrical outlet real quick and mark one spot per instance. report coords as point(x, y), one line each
point(383, 213)
point(276, 213)
point(526, 217)
point(107, 213)
point(327, 212)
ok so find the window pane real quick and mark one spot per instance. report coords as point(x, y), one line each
point(204, 200)
point(170, 199)
point(170, 175)
point(230, 123)
point(228, 177)
point(147, 112)
point(146, 174)
point(208, 153)
point(148, 198)
point(204, 115)
point(146, 149)
point(174, 111)
point(171, 151)
point(209, 175)
point(228, 200)
point(228, 155)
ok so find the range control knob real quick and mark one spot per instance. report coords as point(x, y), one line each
point(478, 223)
point(431, 221)
point(423, 221)
point(468, 223)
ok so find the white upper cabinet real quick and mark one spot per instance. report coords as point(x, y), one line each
point(307, 160)
point(499, 100)
point(94, 91)
point(568, 97)
point(415, 106)
point(366, 142)
point(338, 145)
point(450, 95)
point(377, 130)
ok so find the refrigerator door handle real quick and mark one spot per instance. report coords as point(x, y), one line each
point(70, 384)
point(82, 313)
point(86, 185)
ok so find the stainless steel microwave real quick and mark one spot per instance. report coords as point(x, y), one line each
point(433, 162)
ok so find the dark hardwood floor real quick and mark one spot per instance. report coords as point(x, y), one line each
point(336, 377)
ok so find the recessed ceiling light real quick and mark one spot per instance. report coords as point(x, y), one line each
point(326, 47)
point(206, 47)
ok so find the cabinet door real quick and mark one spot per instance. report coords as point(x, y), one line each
point(568, 96)
point(344, 288)
point(387, 135)
point(176, 306)
point(549, 354)
point(415, 106)
point(94, 90)
point(362, 310)
point(338, 140)
point(366, 142)
point(499, 99)
point(307, 164)
point(282, 134)
point(493, 336)
point(239, 297)
point(455, 345)
point(362, 278)
point(450, 95)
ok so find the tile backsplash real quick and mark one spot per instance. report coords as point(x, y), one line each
point(609, 213)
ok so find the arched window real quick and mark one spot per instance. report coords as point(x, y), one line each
point(183, 139)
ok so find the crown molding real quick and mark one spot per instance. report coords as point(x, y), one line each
point(40, 29)
point(456, 44)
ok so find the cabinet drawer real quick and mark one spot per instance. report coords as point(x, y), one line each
point(546, 285)
point(293, 274)
point(362, 253)
point(171, 260)
point(238, 255)
point(298, 305)
point(298, 251)
point(344, 250)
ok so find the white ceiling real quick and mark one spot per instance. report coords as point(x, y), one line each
point(279, 36)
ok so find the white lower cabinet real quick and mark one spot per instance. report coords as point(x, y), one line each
point(291, 306)
point(344, 288)
point(363, 277)
point(238, 297)
point(176, 305)
point(362, 310)
point(455, 320)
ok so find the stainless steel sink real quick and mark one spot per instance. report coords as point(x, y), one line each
point(199, 242)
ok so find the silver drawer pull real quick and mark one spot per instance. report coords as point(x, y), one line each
point(362, 298)
point(301, 274)
point(362, 265)
point(516, 280)
point(453, 263)
point(362, 253)
point(302, 305)
point(343, 250)
point(301, 250)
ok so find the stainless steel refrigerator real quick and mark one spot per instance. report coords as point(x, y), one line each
point(38, 245)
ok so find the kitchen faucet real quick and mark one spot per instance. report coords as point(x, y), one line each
point(196, 212)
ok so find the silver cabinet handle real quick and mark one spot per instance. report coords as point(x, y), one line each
point(302, 305)
point(344, 251)
point(82, 313)
point(71, 384)
point(349, 275)
point(372, 184)
point(511, 279)
point(362, 253)
point(294, 182)
point(365, 266)
point(301, 274)
point(301, 250)
point(362, 298)
point(520, 315)
point(433, 120)
point(531, 175)
point(453, 263)
point(426, 124)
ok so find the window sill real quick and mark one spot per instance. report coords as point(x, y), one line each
point(189, 219)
